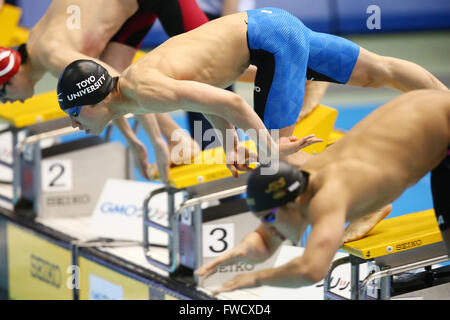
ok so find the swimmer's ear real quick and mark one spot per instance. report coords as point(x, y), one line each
point(22, 49)
point(303, 178)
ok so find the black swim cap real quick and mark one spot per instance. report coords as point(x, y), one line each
point(270, 191)
point(84, 82)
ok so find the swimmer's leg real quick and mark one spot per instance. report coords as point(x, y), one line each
point(314, 92)
point(118, 55)
point(359, 228)
point(376, 71)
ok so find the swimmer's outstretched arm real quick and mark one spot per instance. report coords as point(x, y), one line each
point(120, 57)
point(151, 127)
point(238, 157)
point(229, 106)
point(159, 93)
point(328, 223)
point(138, 148)
point(256, 247)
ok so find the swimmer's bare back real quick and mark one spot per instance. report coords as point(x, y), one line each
point(215, 53)
point(385, 153)
point(78, 26)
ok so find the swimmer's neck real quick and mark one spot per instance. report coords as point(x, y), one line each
point(119, 104)
point(309, 191)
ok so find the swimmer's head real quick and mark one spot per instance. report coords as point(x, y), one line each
point(267, 192)
point(84, 89)
point(15, 84)
point(82, 83)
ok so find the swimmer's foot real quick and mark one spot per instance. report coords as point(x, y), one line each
point(359, 228)
point(183, 150)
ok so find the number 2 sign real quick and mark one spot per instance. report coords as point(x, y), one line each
point(56, 175)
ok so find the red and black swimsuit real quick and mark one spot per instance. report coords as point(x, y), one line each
point(176, 16)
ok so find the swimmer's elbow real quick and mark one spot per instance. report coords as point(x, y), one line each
point(306, 273)
point(238, 104)
point(237, 109)
point(315, 274)
point(315, 269)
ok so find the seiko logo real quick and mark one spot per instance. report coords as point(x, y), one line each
point(68, 200)
point(45, 271)
point(408, 245)
point(237, 267)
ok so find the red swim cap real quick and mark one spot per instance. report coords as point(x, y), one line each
point(9, 64)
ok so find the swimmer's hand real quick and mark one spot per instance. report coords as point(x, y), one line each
point(162, 160)
point(252, 250)
point(140, 157)
point(240, 159)
point(289, 145)
point(183, 149)
point(246, 280)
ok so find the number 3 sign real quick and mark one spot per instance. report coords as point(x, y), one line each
point(217, 238)
point(56, 175)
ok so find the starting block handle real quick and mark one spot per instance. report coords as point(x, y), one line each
point(211, 197)
point(173, 217)
point(400, 269)
point(326, 283)
point(171, 231)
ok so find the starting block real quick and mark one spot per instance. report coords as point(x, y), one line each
point(205, 182)
point(320, 122)
point(139, 54)
point(40, 108)
point(200, 183)
point(395, 246)
point(56, 180)
point(12, 34)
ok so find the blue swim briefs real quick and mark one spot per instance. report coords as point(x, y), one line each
point(287, 53)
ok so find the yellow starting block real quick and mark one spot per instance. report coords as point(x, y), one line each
point(11, 33)
point(40, 108)
point(394, 235)
point(334, 136)
point(38, 115)
point(139, 54)
point(205, 181)
point(395, 245)
point(319, 122)
point(205, 167)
